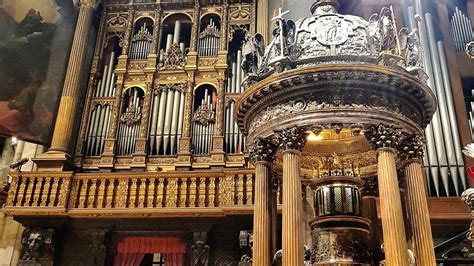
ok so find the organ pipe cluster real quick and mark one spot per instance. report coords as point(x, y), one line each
point(166, 125)
point(209, 40)
point(443, 161)
point(233, 138)
point(141, 44)
point(203, 124)
point(129, 126)
point(173, 39)
point(100, 117)
point(462, 30)
point(235, 75)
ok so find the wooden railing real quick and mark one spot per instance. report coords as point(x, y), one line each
point(133, 194)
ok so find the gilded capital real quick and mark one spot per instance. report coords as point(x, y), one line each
point(411, 147)
point(383, 136)
point(86, 3)
point(263, 149)
point(292, 138)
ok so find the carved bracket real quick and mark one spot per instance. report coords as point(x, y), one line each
point(383, 136)
point(292, 138)
point(411, 147)
point(263, 149)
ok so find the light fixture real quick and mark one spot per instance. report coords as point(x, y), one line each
point(313, 137)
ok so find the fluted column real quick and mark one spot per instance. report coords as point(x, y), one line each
point(385, 139)
point(262, 154)
point(72, 83)
point(291, 142)
point(417, 205)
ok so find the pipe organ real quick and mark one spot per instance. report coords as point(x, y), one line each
point(234, 139)
point(235, 74)
point(209, 40)
point(166, 124)
point(129, 121)
point(100, 116)
point(444, 162)
point(203, 124)
point(461, 29)
point(141, 44)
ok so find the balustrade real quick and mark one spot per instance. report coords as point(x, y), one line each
point(105, 193)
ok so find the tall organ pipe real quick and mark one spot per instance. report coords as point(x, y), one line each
point(177, 31)
point(239, 71)
point(174, 121)
point(154, 121)
point(452, 113)
point(169, 41)
point(442, 110)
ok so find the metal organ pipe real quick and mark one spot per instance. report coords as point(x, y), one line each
point(177, 31)
point(452, 113)
point(462, 29)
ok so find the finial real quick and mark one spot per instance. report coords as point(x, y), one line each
point(325, 6)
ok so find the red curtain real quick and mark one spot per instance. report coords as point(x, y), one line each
point(131, 250)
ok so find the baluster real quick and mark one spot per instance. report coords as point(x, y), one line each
point(133, 194)
point(151, 193)
point(202, 192)
point(141, 193)
point(82, 193)
point(29, 191)
point(21, 191)
point(91, 194)
point(249, 189)
point(122, 193)
point(44, 196)
point(101, 194)
point(183, 192)
point(54, 192)
point(37, 191)
point(172, 192)
point(192, 193)
point(240, 190)
point(12, 192)
point(74, 194)
point(222, 193)
point(229, 191)
point(64, 192)
point(109, 193)
point(161, 188)
point(212, 191)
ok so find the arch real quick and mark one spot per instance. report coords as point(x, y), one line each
point(133, 86)
point(176, 14)
point(210, 13)
point(142, 17)
point(203, 84)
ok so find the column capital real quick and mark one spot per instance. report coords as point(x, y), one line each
point(263, 149)
point(411, 147)
point(293, 138)
point(383, 136)
point(86, 3)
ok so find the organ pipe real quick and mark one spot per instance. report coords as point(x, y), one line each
point(167, 119)
point(203, 124)
point(129, 123)
point(209, 40)
point(461, 29)
point(234, 139)
point(141, 44)
point(235, 75)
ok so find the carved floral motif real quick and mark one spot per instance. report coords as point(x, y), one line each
point(292, 138)
point(263, 149)
point(383, 136)
point(173, 59)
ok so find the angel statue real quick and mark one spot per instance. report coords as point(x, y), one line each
point(410, 46)
point(469, 150)
point(252, 46)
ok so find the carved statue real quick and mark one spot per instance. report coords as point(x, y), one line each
point(252, 46)
point(387, 31)
point(277, 258)
point(38, 244)
point(410, 45)
point(200, 251)
point(411, 257)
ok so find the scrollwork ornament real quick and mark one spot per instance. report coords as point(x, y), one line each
point(383, 136)
point(263, 149)
point(292, 138)
point(411, 148)
point(131, 117)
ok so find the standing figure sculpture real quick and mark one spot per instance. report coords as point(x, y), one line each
point(200, 251)
point(387, 31)
point(252, 46)
point(410, 45)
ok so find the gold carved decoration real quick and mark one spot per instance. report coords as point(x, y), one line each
point(173, 59)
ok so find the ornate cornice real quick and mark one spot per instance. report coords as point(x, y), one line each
point(411, 147)
point(383, 136)
point(263, 149)
point(293, 138)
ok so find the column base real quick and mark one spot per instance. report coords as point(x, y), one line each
point(54, 161)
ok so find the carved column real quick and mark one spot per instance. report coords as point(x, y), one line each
point(417, 205)
point(218, 138)
point(291, 142)
point(369, 211)
point(262, 154)
point(385, 139)
point(184, 154)
point(58, 153)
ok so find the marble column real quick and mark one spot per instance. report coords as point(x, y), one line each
point(262, 154)
point(385, 139)
point(417, 205)
point(291, 142)
point(72, 83)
